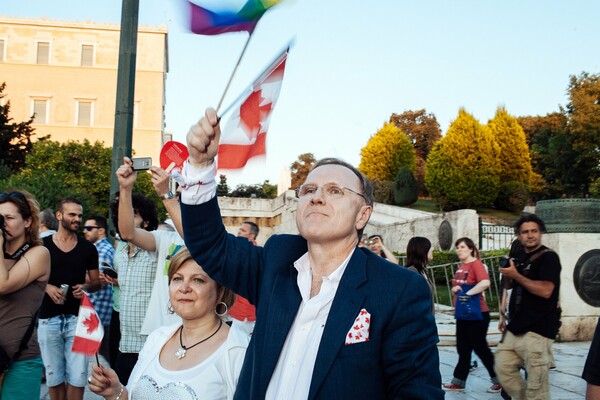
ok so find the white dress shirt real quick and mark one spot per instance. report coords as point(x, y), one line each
point(293, 373)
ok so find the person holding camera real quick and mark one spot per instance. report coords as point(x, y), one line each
point(375, 243)
point(24, 273)
point(534, 317)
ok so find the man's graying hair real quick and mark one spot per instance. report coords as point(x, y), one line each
point(366, 185)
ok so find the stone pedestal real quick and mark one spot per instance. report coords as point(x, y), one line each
point(573, 231)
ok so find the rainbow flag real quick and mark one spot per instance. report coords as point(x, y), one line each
point(207, 22)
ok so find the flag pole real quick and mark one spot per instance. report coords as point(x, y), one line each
point(234, 70)
point(97, 359)
point(246, 92)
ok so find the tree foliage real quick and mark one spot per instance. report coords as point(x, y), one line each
point(462, 168)
point(55, 170)
point(300, 168)
point(406, 188)
point(15, 139)
point(263, 190)
point(551, 152)
point(583, 113)
point(565, 145)
point(383, 191)
point(422, 129)
point(386, 152)
point(222, 187)
point(514, 158)
point(512, 196)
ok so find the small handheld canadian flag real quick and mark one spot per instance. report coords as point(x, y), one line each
point(89, 331)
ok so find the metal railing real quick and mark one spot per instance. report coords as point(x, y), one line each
point(495, 233)
point(441, 276)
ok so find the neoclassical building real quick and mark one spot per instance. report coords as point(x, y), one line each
point(64, 73)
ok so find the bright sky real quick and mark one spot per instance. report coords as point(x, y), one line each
point(356, 62)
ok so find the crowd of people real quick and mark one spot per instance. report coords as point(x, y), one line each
point(190, 311)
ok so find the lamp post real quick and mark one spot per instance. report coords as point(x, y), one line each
point(123, 132)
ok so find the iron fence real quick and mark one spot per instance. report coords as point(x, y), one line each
point(441, 276)
point(495, 234)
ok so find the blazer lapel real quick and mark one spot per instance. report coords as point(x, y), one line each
point(345, 307)
point(283, 307)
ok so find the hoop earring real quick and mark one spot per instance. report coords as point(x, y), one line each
point(224, 312)
point(170, 308)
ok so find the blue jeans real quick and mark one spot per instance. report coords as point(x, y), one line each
point(55, 336)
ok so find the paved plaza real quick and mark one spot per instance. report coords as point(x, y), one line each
point(565, 380)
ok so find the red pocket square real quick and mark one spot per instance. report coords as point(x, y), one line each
point(359, 332)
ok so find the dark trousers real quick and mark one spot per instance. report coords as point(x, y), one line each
point(115, 338)
point(124, 366)
point(471, 336)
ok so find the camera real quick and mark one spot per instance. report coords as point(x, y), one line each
point(109, 271)
point(141, 163)
point(368, 242)
point(505, 263)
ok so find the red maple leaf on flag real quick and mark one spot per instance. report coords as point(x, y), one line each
point(91, 323)
point(252, 114)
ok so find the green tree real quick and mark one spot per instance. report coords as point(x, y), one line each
point(552, 154)
point(56, 170)
point(385, 153)
point(259, 190)
point(583, 113)
point(222, 187)
point(514, 159)
point(406, 188)
point(15, 139)
point(300, 168)
point(512, 196)
point(462, 168)
point(422, 129)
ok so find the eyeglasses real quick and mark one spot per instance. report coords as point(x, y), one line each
point(330, 190)
point(15, 195)
point(90, 228)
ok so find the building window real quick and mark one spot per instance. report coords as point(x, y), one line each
point(40, 111)
point(87, 55)
point(84, 113)
point(43, 53)
point(1, 50)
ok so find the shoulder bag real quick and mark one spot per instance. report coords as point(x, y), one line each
point(467, 308)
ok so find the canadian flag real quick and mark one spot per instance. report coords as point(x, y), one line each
point(89, 331)
point(244, 135)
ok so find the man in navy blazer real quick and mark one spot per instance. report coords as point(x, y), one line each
point(333, 321)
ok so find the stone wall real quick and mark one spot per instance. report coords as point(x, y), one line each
point(396, 224)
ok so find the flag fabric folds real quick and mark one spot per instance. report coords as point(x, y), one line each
point(206, 22)
point(89, 331)
point(244, 135)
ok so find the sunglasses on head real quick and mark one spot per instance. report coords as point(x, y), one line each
point(90, 228)
point(15, 195)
